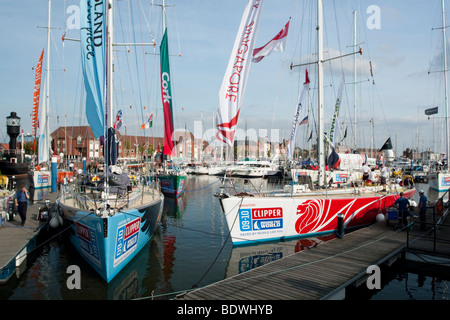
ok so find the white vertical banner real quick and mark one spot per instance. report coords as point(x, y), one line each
point(232, 90)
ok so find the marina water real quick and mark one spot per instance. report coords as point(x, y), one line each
point(190, 249)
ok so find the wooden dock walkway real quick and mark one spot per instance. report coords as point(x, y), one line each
point(16, 241)
point(322, 272)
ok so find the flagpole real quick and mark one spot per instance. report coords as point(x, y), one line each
point(109, 94)
point(110, 65)
point(354, 79)
point(447, 148)
point(46, 148)
point(320, 142)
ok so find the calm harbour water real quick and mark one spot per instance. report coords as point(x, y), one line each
point(190, 248)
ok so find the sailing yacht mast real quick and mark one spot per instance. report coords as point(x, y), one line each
point(354, 79)
point(109, 91)
point(320, 142)
point(109, 67)
point(44, 135)
point(444, 38)
point(47, 95)
point(163, 15)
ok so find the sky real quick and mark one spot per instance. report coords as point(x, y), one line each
point(396, 37)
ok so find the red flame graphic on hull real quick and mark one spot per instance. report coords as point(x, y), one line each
point(319, 215)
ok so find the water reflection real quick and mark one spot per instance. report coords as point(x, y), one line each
point(245, 258)
point(191, 247)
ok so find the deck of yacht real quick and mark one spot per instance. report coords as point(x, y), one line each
point(92, 200)
point(335, 192)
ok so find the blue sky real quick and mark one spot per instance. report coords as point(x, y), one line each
point(402, 49)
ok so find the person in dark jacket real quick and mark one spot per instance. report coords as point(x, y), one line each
point(422, 209)
point(402, 205)
point(21, 202)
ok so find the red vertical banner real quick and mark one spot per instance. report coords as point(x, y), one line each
point(37, 92)
point(166, 96)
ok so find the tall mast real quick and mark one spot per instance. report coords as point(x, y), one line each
point(109, 94)
point(47, 90)
point(109, 67)
point(163, 16)
point(320, 139)
point(444, 38)
point(48, 51)
point(354, 79)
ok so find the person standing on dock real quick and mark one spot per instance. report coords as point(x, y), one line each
point(422, 209)
point(21, 202)
point(402, 204)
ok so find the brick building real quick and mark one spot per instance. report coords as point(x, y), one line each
point(79, 142)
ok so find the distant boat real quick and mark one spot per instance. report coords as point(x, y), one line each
point(216, 170)
point(172, 184)
point(439, 181)
point(201, 169)
point(256, 169)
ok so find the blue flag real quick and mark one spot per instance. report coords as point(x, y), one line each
point(93, 44)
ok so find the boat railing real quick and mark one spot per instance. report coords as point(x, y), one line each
point(434, 235)
point(11, 152)
point(440, 210)
point(229, 186)
point(91, 198)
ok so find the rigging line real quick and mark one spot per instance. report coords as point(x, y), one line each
point(178, 31)
point(146, 21)
point(341, 62)
point(75, 100)
point(127, 61)
point(136, 59)
point(369, 57)
point(278, 93)
point(299, 81)
point(153, 77)
point(223, 245)
point(143, 58)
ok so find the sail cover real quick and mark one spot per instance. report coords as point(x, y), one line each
point(37, 92)
point(93, 43)
point(233, 85)
point(166, 96)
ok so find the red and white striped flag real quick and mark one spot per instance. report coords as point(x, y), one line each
point(278, 43)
